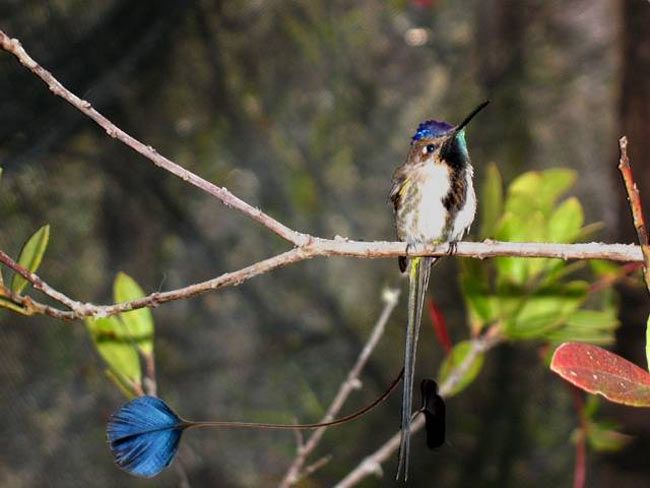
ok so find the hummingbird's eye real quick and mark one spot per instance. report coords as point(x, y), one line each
point(428, 149)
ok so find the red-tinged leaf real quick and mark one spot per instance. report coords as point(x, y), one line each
point(439, 325)
point(599, 371)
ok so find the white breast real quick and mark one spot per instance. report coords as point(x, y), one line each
point(432, 215)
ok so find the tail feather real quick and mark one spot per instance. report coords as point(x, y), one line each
point(419, 272)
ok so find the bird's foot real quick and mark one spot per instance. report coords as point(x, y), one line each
point(453, 246)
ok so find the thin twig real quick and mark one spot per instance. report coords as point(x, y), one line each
point(313, 467)
point(149, 382)
point(372, 464)
point(80, 310)
point(37, 282)
point(14, 47)
point(318, 247)
point(635, 205)
point(580, 465)
point(351, 383)
point(609, 280)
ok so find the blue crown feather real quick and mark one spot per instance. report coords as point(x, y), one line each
point(143, 436)
point(432, 128)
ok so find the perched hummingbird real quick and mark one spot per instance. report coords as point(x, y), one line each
point(434, 201)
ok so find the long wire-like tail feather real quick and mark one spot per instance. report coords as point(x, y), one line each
point(419, 272)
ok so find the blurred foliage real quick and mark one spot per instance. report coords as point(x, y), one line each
point(532, 298)
point(537, 298)
point(602, 435)
point(452, 365)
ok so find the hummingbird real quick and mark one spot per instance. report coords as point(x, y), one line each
point(434, 201)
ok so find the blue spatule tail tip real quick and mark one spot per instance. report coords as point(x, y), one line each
point(143, 436)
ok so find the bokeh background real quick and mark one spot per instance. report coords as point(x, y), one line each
point(304, 109)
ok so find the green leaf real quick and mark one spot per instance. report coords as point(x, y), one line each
point(530, 227)
point(546, 310)
point(13, 307)
point(603, 438)
point(455, 362)
point(538, 190)
point(591, 407)
point(558, 269)
point(491, 205)
point(526, 184)
point(138, 322)
point(555, 182)
point(115, 345)
point(481, 303)
point(568, 334)
point(602, 268)
point(511, 270)
point(590, 319)
point(566, 221)
point(588, 231)
point(31, 256)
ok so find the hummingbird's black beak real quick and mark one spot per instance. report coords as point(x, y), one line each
point(471, 115)
point(454, 150)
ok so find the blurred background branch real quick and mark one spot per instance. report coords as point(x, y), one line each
point(14, 47)
point(297, 469)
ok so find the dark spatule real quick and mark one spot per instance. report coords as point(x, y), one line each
point(434, 410)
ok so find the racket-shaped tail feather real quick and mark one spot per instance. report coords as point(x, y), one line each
point(419, 272)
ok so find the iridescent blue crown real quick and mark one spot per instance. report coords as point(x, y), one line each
point(432, 128)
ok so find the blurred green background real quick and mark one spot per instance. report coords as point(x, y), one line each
point(303, 109)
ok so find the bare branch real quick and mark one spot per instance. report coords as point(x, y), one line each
point(296, 472)
point(80, 310)
point(635, 205)
point(14, 47)
point(316, 247)
point(372, 464)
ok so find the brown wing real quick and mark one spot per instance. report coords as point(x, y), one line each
point(399, 178)
point(413, 158)
point(395, 196)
